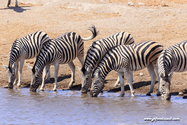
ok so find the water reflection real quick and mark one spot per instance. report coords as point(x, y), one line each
point(19, 106)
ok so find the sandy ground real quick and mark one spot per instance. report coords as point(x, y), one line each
point(161, 21)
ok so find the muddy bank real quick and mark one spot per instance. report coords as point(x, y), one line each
point(152, 21)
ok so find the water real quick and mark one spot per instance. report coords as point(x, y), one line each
point(19, 106)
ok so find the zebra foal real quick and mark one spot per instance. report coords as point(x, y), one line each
point(172, 59)
point(95, 53)
point(23, 48)
point(62, 50)
point(126, 58)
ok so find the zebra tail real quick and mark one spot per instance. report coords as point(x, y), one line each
point(94, 33)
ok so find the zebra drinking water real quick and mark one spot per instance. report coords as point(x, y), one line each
point(126, 58)
point(62, 50)
point(95, 53)
point(23, 48)
point(172, 59)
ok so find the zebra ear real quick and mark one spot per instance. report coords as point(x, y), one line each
point(5, 66)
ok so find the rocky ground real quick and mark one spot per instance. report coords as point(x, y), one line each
point(161, 21)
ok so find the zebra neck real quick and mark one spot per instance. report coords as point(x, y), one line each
point(40, 63)
point(14, 54)
point(93, 57)
point(168, 61)
point(105, 66)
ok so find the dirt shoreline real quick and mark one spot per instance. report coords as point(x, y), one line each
point(151, 21)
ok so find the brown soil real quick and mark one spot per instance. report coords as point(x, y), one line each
point(162, 21)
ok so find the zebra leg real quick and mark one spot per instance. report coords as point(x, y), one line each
point(16, 73)
point(20, 71)
point(56, 75)
point(153, 78)
point(121, 77)
point(118, 81)
point(129, 77)
point(72, 67)
point(8, 3)
point(45, 71)
point(48, 72)
point(16, 3)
point(81, 59)
point(156, 70)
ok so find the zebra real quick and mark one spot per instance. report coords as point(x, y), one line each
point(23, 48)
point(16, 3)
point(126, 58)
point(172, 59)
point(62, 50)
point(95, 53)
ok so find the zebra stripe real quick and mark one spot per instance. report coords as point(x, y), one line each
point(62, 50)
point(172, 59)
point(96, 51)
point(23, 48)
point(126, 58)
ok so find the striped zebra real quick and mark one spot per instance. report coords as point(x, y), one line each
point(126, 58)
point(23, 48)
point(16, 3)
point(172, 59)
point(62, 50)
point(95, 53)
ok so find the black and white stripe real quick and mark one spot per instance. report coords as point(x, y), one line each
point(172, 59)
point(126, 58)
point(23, 48)
point(62, 50)
point(96, 51)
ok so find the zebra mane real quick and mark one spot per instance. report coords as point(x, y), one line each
point(88, 51)
point(107, 53)
point(11, 49)
point(164, 58)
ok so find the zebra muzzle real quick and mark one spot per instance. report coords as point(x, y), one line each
point(10, 85)
point(83, 91)
point(92, 94)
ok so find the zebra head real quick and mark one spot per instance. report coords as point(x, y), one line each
point(11, 75)
point(165, 73)
point(86, 79)
point(164, 87)
point(97, 84)
point(36, 79)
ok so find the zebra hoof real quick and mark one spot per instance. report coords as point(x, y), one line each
point(158, 94)
point(148, 94)
point(54, 90)
point(6, 87)
point(70, 85)
point(121, 95)
point(18, 85)
point(41, 89)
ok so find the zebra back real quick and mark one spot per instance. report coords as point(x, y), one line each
point(99, 47)
point(27, 47)
point(132, 57)
point(64, 48)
